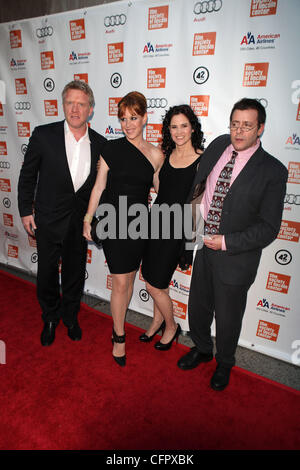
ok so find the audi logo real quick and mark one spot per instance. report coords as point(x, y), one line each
point(292, 199)
point(43, 32)
point(156, 102)
point(207, 7)
point(115, 20)
point(4, 165)
point(22, 105)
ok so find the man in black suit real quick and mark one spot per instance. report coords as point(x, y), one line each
point(238, 223)
point(56, 179)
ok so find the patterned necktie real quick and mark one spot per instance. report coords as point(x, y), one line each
point(212, 223)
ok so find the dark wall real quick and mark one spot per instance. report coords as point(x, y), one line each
point(12, 10)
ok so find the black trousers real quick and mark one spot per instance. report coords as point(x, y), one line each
point(71, 252)
point(211, 298)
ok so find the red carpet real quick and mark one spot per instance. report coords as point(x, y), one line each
point(72, 395)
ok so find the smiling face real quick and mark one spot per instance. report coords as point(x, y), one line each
point(180, 129)
point(242, 140)
point(132, 124)
point(77, 109)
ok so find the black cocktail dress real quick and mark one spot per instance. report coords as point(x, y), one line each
point(161, 255)
point(130, 174)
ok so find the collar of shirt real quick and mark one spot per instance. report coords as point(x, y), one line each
point(244, 154)
point(69, 133)
point(241, 160)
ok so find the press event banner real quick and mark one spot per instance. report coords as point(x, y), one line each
point(208, 54)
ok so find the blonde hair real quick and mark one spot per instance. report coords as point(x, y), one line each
point(82, 86)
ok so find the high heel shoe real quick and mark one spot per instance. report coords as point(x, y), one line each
point(146, 339)
point(164, 347)
point(119, 339)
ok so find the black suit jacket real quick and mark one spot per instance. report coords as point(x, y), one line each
point(252, 210)
point(45, 181)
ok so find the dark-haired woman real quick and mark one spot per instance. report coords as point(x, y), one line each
point(183, 146)
point(128, 167)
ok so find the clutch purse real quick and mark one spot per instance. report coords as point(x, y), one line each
point(95, 238)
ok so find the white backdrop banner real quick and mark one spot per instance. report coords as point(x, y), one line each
point(208, 54)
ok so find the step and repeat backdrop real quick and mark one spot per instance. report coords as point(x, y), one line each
point(208, 54)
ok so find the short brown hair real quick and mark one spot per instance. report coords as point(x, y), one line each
point(135, 101)
point(82, 86)
point(250, 103)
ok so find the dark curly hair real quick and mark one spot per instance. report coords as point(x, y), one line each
point(197, 136)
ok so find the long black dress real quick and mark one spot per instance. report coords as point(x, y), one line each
point(161, 256)
point(130, 174)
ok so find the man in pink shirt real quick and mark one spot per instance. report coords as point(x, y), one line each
point(242, 210)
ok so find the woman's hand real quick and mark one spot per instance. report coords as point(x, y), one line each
point(87, 231)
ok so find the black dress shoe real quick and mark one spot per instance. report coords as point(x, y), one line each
point(220, 379)
point(48, 333)
point(192, 359)
point(146, 339)
point(74, 332)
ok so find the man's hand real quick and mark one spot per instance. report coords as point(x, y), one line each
point(29, 224)
point(214, 242)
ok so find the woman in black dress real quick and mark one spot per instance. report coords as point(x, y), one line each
point(182, 145)
point(128, 168)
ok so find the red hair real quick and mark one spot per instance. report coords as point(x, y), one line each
point(134, 101)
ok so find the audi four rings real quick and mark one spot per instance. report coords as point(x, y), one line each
point(115, 20)
point(22, 105)
point(207, 6)
point(43, 32)
point(157, 102)
point(4, 165)
point(292, 199)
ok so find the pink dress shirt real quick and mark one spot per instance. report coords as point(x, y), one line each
point(241, 160)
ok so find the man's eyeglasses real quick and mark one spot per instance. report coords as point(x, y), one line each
point(235, 127)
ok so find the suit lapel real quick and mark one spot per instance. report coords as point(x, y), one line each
point(211, 156)
point(61, 152)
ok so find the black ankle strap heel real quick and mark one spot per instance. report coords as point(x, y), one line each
point(121, 361)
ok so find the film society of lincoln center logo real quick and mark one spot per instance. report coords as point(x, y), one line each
point(200, 104)
point(263, 7)
point(77, 29)
point(115, 52)
point(158, 17)
point(21, 87)
point(15, 38)
point(156, 77)
point(255, 74)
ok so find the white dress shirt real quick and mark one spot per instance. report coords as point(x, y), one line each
point(79, 156)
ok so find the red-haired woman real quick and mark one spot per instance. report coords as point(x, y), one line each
point(128, 167)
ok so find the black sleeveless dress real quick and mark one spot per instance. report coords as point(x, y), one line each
point(161, 255)
point(130, 174)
